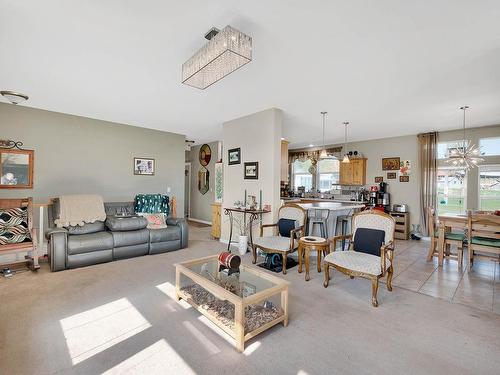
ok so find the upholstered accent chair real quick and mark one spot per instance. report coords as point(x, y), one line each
point(17, 234)
point(450, 238)
point(286, 233)
point(371, 250)
point(483, 235)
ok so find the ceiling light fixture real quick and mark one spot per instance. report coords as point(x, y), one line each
point(14, 97)
point(226, 51)
point(346, 157)
point(324, 154)
point(466, 156)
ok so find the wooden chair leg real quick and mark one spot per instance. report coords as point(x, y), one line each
point(307, 256)
point(448, 247)
point(327, 274)
point(284, 263)
point(254, 253)
point(318, 260)
point(432, 249)
point(300, 251)
point(374, 291)
point(390, 271)
point(460, 255)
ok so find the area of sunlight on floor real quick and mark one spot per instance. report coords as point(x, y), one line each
point(93, 331)
point(158, 358)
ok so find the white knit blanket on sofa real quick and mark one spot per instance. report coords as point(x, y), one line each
point(80, 209)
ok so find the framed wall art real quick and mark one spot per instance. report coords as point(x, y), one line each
point(234, 156)
point(144, 166)
point(404, 178)
point(251, 171)
point(379, 179)
point(391, 175)
point(390, 164)
point(16, 168)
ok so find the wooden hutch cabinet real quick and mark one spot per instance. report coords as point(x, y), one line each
point(353, 173)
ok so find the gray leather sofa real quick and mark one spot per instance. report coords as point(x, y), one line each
point(116, 238)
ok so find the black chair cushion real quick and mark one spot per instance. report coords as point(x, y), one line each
point(368, 240)
point(285, 226)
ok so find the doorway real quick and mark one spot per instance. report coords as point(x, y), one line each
point(187, 190)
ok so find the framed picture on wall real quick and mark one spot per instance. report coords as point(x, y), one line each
point(391, 175)
point(404, 178)
point(251, 171)
point(234, 156)
point(144, 166)
point(379, 179)
point(390, 164)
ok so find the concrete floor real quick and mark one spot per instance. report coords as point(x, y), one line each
point(121, 317)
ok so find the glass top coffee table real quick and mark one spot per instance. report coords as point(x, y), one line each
point(242, 304)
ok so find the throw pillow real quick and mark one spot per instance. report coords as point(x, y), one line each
point(14, 226)
point(285, 226)
point(155, 221)
point(369, 241)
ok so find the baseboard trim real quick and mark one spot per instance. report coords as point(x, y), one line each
point(200, 221)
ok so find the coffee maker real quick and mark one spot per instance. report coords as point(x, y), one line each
point(373, 196)
point(383, 197)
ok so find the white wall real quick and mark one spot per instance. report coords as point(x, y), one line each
point(201, 204)
point(406, 148)
point(259, 137)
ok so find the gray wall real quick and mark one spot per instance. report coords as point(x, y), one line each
point(201, 204)
point(82, 155)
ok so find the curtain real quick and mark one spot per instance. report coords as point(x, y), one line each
point(427, 157)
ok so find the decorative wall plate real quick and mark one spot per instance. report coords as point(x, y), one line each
point(205, 155)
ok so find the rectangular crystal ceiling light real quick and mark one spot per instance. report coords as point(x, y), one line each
point(227, 51)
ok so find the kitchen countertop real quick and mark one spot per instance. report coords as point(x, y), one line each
point(332, 206)
point(298, 199)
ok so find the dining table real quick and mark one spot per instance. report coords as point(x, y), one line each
point(448, 222)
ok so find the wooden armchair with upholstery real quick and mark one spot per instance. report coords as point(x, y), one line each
point(17, 234)
point(371, 250)
point(286, 232)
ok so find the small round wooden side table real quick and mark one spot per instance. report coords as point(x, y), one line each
point(308, 244)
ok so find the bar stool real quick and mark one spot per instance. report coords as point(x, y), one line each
point(318, 216)
point(344, 221)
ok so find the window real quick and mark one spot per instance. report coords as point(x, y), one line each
point(444, 148)
point(489, 187)
point(451, 190)
point(328, 170)
point(490, 146)
point(301, 175)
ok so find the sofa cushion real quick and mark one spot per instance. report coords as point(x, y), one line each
point(119, 208)
point(14, 226)
point(285, 226)
point(85, 243)
point(172, 233)
point(87, 228)
point(359, 262)
point(121, 224)
point(134, 237)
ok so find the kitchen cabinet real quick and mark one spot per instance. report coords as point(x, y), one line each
point(353, 173)
point(284, 161)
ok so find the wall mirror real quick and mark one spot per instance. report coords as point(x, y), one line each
point(16, 169)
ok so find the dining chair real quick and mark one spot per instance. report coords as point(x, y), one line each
point(450, 238)
point(483, 235)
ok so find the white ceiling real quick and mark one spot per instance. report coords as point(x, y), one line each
point(389, 67)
